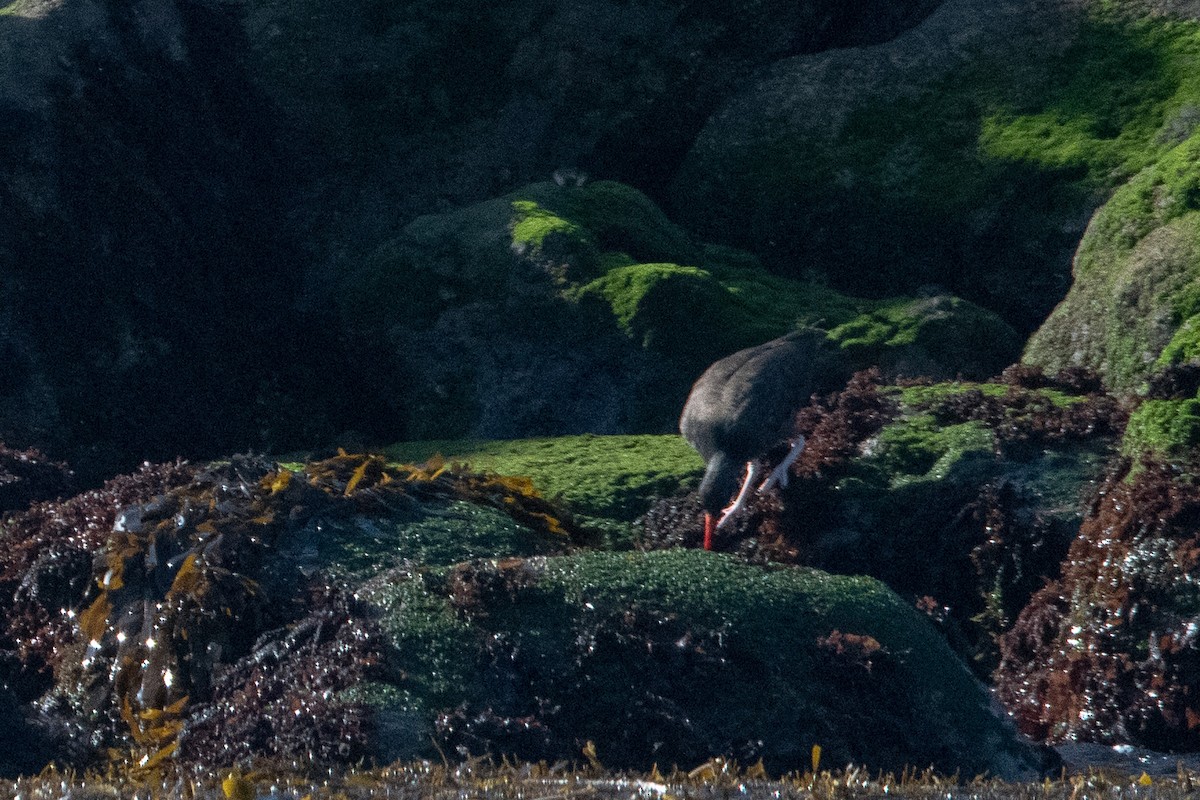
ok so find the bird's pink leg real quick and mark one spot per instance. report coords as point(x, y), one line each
point(708, 530)
point(780, 474)
point(740, 501)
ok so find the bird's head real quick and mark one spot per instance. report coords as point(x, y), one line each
point(720, 483)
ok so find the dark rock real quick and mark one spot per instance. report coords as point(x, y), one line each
point(149, 264)
point(674, 656)
point(618, 90)
point(27, 476)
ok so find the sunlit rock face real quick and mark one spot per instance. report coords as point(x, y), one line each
point(889, 165)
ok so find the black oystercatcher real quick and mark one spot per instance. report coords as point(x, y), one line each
point(742, 406)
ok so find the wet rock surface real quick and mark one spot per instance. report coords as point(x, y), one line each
point(1107, 653)
point(174, 606)
point(661, 657)
point(338, 610)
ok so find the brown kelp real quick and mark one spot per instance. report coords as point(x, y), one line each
point(186, 611)
point(1109, 652)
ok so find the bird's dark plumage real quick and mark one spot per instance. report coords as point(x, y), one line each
point(744, 404)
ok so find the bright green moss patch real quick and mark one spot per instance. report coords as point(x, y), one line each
point(1163, 192)
point(918, 448)
point(672, 307)
point(608, 217)
point(929, 335)
point(532, 224)
point(1184, 345)
point(915, 396)
point(722, 592)
point(924, 396)
point(976, 180)
point(601, 476)
point(1129, 301)
point(627, 289)
point(1163, 427)
point(1102, 113)
point(1094, 115)
point(1136, 274)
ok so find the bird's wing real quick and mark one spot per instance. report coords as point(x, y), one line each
point(745, 402)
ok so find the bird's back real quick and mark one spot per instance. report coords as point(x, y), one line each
point(745, 402)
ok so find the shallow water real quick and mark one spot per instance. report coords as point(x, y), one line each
point(1081, 756)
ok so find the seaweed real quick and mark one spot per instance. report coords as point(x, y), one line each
point(1174, 382)
point(1108, 652)
point(177, 605)
point(836, 427)
point(283, 699)
point(1035, 411)
point(46, 566)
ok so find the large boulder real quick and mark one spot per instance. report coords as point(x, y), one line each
point(616, 88)
point(564, 308)
point(670, 657)
point(967, 152)
point(1134, 306)
point(148, 265)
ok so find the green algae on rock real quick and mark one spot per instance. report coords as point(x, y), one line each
point(613, 477)
point(650, 656)
point(888, 188)
point(936, 337)
point(937, 160)
point(559, 309)
point(954, 505)
point(1131, 308)
point(1163, 428)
